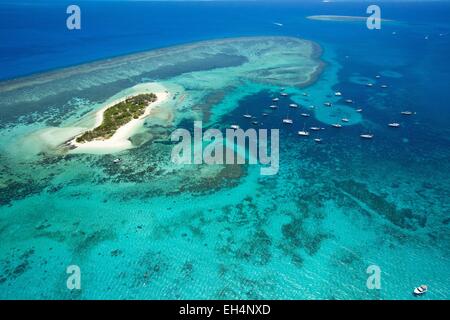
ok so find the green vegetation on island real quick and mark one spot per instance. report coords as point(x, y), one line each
point(119, 115)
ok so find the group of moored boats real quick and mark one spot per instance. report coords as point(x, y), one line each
point(304, 132)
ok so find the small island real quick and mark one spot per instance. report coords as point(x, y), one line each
point(338, 18)
point(118, 115)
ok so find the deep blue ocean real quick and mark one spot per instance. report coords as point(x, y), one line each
point(334, 208)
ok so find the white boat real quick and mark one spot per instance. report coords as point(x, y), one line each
point(407, 113)
point(284, 94)
point(394, 125)
point(336, 125)
point(318, 140)
point(349, 100)
point(328, 104)
point(275, 99)
point(303, 133)
point(247, 115)
point(288, 121)
point(116, 160)
point(255, 122)
point(359, 110)
point(265, 114)
point(366, 136)
point(378, 76)
point(369, 84)
point(345, 120)
point(304, 94)
point(273, 106)
point(384, 86)
point(338, 94)
point(234, 126)
point(314, 128)
point(293, 105)
point(305, 114)
point(312, 107)
point(420, 290)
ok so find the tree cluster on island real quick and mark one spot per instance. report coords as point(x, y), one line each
point(117, 116)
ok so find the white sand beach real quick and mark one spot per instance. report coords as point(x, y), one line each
point(120, 140)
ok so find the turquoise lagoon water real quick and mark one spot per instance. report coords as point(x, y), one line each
point(148, 229)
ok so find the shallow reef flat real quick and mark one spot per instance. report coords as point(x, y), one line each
point(277, 60)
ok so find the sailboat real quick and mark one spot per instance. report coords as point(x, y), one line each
point(287, 120)
point(303, 132)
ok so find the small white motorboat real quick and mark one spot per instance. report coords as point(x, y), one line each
point(349, 100)
point(248, 116)
point(338, 94)
point(234, 126)
point(366, 136)
point(318, 140)
point(327, 104)
point(265, 114)
point(275, 99)
point(394, 125)
point(288, 121)
point(336, 125)
point(303, 133)
point(420, 290)
point(314, 128)
point(369, 84)
point(273, 106)
point(378, 76)
point(293, 105)
point(384, 86)
point(305, 115)
point(345, 120)
point(255, 122)
point(407, 113)
point(284, 94)
point(116, 160)
point(359, 110)
point(304, 94)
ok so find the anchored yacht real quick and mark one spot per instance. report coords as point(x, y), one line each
point(420, 290)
